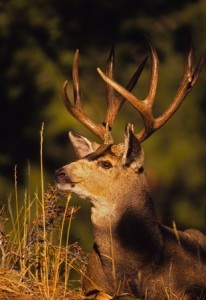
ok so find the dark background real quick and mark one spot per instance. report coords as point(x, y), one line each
point(37, 43)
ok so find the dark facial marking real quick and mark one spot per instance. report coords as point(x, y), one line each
point(102, 150)
point(140, 170)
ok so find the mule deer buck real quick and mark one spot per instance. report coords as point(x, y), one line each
point(133, 255)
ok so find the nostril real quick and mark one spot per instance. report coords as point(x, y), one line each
point(60, 174)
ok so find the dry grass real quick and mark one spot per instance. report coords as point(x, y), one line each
point(36, 257)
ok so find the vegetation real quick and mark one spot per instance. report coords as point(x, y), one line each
point(36, 259)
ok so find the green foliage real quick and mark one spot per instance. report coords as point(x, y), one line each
point(38, 39)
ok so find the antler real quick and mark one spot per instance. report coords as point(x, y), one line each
point(114, 99)
point(144, 107)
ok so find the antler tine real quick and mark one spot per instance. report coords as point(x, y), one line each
point(114, 99)
point(114, 102)
point(144, 107)
point(136, 75)
point(76, 109)
point(189, 78)
point(75, 78)
point(154, 76)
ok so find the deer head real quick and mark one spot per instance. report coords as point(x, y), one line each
point(129, 242)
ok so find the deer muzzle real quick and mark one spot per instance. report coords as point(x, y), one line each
point(62, 177)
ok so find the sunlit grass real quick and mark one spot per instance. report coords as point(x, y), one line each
point(36, 255)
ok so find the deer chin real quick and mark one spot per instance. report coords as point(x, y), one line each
point(74, 188)
point(67, 187)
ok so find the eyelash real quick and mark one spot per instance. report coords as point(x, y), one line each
point(105, 164)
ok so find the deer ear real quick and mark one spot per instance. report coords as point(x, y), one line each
point(133, 153)
point(81, 145)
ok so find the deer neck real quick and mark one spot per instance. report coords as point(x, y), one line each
point(131, 223)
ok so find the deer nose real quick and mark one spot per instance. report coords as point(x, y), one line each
point(60, 175)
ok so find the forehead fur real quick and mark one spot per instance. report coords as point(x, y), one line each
point(113, 150)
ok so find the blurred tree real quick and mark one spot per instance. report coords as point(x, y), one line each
point(38, 40)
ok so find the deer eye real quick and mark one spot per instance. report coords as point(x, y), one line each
point(105, 164)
